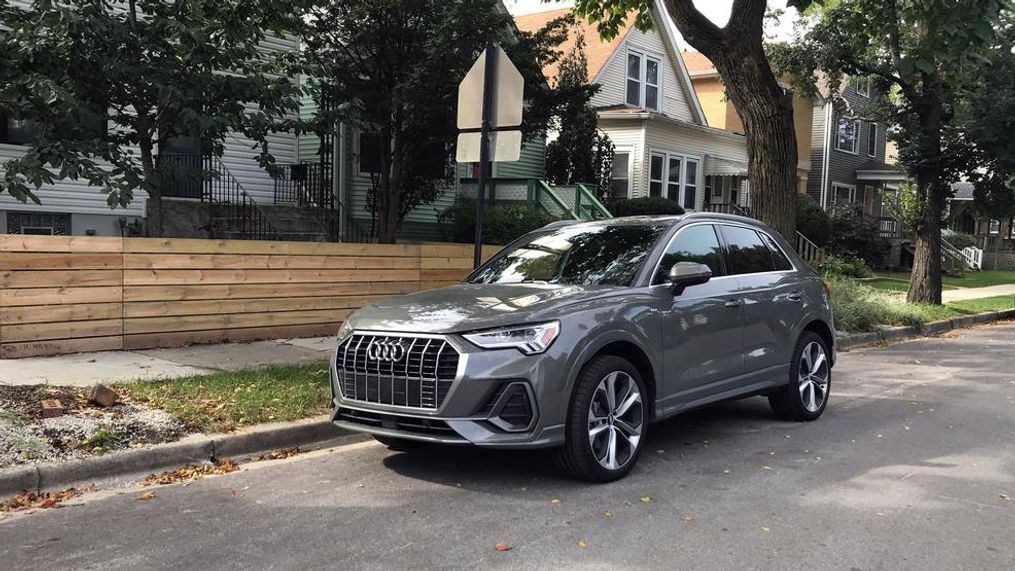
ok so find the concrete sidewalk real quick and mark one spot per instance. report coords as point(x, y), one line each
point(950, 295)
point(83, 369)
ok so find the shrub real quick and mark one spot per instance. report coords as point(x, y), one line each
point(845, 266)
point(855, 233)
point(959, 240)
point(859, 308)
point(646, 205)
point(501, 225)
point(812, 221)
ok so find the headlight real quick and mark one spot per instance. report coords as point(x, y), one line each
point(345, 329)
point(529, 339)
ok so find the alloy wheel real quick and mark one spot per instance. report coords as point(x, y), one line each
point(813, 375)
point(615, 421)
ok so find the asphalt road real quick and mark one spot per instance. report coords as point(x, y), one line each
point(911, 467)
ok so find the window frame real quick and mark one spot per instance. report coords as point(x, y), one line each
point(666, 248)
point(856, 136)
point(684, 159)
point(359, 155)
point(872, 131)
point(866, 83)
point(850, 187)
point(642, 79)
point(5, 139)
point(726, 251)
point(627, 174)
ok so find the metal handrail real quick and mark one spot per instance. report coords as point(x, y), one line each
point(309, 185)
point(224, 189)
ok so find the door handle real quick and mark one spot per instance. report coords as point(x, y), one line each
point(794, 296)
point(733, 303)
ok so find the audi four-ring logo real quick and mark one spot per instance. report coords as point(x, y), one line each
point(387, 350)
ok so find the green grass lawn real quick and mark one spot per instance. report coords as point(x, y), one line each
point(890, 280)
point(221, 402)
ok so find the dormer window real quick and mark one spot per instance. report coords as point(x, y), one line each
point(643, 80)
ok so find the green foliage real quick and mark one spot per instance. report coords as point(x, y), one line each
point(395, 66)
point(845, 266)
point(906, 207)
point(644, 206)
point(812, 221)
point(501, 225)
point(856, 234)
point(580, 153)
point(148, 70)
point(959, 240)
point(101, 441)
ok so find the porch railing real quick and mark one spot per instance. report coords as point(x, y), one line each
point(309, 185)
point(728, 208)
point(809, 251)
point(889, 227)
point(243, 216)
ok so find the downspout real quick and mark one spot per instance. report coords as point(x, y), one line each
point(338, 182)
point(826, 155)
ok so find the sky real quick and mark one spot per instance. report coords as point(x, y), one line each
point(716, 10)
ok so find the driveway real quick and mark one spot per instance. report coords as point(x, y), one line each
point(912, 467)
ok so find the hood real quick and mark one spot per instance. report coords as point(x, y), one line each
point(469, 307)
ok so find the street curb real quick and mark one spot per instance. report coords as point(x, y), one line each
point(853, 340)
point(193, 449)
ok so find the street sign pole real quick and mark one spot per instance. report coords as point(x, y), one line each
point(489, 76)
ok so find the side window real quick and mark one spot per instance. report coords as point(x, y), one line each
point(692, 244)
point(779, 259)
point(745, 252)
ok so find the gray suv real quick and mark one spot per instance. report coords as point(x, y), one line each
point(579, 335)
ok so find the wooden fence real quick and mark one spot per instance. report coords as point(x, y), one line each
point(72, 294)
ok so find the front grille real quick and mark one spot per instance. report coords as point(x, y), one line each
point(402, 371)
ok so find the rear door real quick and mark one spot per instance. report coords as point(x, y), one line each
point(701, 328)
point(772, 295)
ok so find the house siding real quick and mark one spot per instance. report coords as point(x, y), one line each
point(613, 76)
point(692, 142)
point(629, 136)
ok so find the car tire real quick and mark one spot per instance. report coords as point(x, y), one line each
point(400, 444)
point(805, 397)
point(603, 445)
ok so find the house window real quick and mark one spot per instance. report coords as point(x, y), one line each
point(872, 140)
point(848, 135)
point(620, 183)
point(863, 86)
point(38, 223)
point(678, 174)
point(995, 227)
point(843, 194)
point(15, 131)
point(369, 153)
point(655, 176)
point(643, 79)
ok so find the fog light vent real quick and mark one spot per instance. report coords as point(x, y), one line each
point(513, 411)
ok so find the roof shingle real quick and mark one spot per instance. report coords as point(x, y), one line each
point(597, 51)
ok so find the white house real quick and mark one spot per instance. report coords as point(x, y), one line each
point(648, 107)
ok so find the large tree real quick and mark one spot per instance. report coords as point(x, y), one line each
point(737, 51)
point(925, 53)
point(104, 84)
point(394, 67)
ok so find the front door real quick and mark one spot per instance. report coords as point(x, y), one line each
point(701, 333)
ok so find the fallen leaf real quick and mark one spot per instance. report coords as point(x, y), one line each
point(555, 501)
point(660, 451)
point(189, 473)
point(47, 500)
point(502, 547)
point(726, 471)
point(688, 519)
point(766, 467)
point(149, 495)
point(1006, 497)
point(280, 454)
point(610, 514)
point(646, 499)
point(582, 544)
point(765, 529)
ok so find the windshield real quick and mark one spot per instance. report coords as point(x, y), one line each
point(589, 254)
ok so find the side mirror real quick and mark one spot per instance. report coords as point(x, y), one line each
point(684, 274)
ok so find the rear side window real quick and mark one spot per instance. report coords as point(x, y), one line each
point(697, 244)
point(746, 253)
point(779, 259)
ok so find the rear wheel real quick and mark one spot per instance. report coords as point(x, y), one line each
point(607, 421)
point(400, 444)
point(810, 379)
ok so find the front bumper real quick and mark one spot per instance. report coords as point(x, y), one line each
point(499, 399)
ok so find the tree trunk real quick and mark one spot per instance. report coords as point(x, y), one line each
point(153, 185)
point(387, 194)
point(764, 107)
point(925, 281)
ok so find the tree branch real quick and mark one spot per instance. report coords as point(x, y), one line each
point(697, 29)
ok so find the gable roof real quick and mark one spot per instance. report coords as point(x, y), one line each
point(697, 64)
point(597, 51)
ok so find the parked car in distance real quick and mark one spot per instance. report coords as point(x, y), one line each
point(580, 335)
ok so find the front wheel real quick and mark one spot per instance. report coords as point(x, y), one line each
point(810, 379)
point(607, 421)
